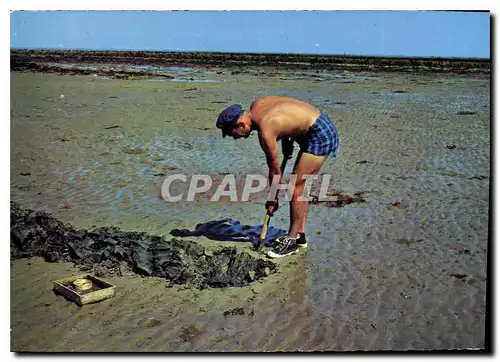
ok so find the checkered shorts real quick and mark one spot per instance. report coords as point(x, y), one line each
point(321, 139)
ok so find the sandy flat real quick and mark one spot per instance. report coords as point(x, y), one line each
point(404, 270)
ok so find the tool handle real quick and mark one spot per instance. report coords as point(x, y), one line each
point(265, 225)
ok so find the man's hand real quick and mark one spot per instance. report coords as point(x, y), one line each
point(272, 206)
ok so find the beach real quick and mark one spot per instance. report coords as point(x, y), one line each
point(404, 270)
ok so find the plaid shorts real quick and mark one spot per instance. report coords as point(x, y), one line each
point(321, 139)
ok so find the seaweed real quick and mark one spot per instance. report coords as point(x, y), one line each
point(37, 60)
point(108, 249)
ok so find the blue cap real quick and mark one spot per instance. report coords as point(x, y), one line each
point(228, 118)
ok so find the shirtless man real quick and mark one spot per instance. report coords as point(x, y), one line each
point(289, 120)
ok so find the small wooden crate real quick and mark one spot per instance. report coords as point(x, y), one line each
point(100, 291)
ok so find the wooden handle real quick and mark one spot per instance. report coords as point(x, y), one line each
point(263, 233)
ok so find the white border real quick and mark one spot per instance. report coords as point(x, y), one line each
point(197, 5)
point(253, 5)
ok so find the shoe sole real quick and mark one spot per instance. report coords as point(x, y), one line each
point(273, 255)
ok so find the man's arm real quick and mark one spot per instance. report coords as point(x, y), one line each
point(270, 147)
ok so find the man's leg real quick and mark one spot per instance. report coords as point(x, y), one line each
point(306, 164)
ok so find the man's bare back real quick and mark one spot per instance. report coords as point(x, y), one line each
point(283, 117)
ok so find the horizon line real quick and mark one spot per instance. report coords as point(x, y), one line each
point(258, 53)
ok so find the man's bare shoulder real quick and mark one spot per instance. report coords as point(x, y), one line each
point(259, 109)
point(259, 102)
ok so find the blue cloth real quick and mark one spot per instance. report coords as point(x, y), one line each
point(321, 138)
point(231, 230)
point(228, 118)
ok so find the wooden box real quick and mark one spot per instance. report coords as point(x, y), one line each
point(101, 290)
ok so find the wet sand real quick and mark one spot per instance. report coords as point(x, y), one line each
point(404, 270)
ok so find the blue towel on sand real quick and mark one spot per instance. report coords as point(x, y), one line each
point(231, 230)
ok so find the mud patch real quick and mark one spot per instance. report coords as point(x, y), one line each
point(132, 151)
point(235, 311)
point(107, 250)
point(341, 199)
point(189, 333)
point(479, 177)
point(398, 205)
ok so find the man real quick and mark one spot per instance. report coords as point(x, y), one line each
point(286, 119)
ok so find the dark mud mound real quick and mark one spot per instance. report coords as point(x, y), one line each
point(82, 70)
point(109, 249)
point(231, 230)
point(341, 199)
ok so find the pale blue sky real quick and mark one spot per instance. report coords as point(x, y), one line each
point(377, 33)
